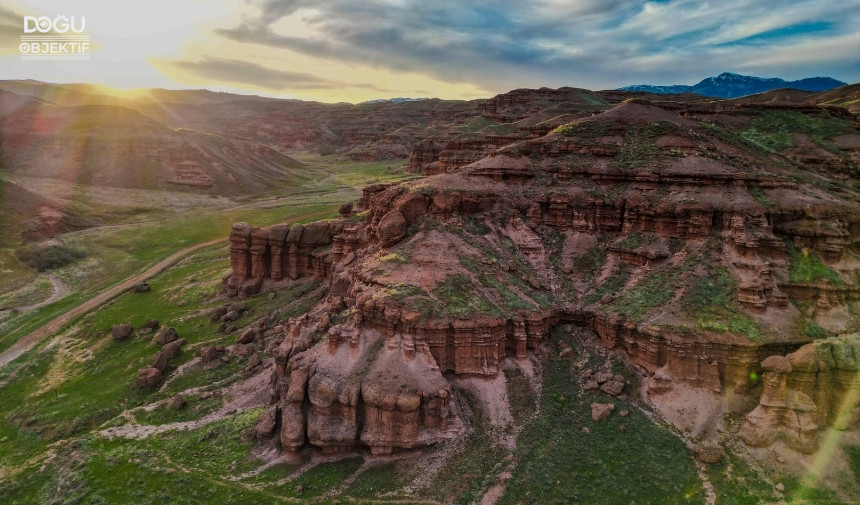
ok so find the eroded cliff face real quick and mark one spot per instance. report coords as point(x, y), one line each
point(261, 257)
point(694, 252)
point(816, 386)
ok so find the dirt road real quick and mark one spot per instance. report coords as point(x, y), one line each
point(26, 342)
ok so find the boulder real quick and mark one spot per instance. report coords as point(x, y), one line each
point(237, 306)
point(177, 402)
point(165, 336)
point(210, 353)
point(121, 332)
point(242, 351)
point(248, 336)
point(231, 315)
point(661, 382)
point(252, 365)
point(412, 206)
point(392, 228)
point(613, 387)
point(345, 209)
point(160, 361)
point(265, 426)
point(148, 378)
point(601, 411)
point(173, 349)
point(152, 324)
point(218, 313)
point(141, 287)
point(709, 452)
point(603, 376)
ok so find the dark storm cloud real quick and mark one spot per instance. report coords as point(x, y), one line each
point(553, 41)
point(243, 72)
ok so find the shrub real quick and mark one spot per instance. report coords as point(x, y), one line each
point(48, 258)
point(325, 149)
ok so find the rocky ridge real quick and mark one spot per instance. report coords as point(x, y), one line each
point(696, 252)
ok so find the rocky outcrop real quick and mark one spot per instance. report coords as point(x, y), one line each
point(424, 158)
point(122, 332)
point(392, 228)
point(520, 103)
point(165, 336)
point(267, 255)
point(148, 378)
point(463, 152)
point(455, 273)
point(701, 360)
point(177, 402)
point(601, 411)
point(805, 391)
point(361, 389)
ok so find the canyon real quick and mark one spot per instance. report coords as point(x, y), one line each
point(528, 298)
point(668, 237)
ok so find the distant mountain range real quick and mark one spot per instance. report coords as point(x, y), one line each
point(393, 100)
point(728, 85)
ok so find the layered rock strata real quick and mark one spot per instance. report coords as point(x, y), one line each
point(454, 273)
point(816, 386)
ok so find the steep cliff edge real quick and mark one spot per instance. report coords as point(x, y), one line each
point(694, 250)
point(816, 386)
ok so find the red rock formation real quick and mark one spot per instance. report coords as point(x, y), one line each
point(277, 241)
point(463, 152)
point(475, 269)
point(816, 386)
point(423, 155)
point(260, 256)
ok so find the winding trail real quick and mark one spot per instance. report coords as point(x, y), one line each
point(28, 341)
point(59, 290)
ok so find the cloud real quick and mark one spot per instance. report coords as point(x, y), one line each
point(224, 70)
point(11, 28)
point(509, 43)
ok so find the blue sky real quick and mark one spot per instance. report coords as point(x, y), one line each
point(347, 49)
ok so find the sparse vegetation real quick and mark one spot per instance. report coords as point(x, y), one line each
point(655, 290)
point(812, 330)
point(558, 462)
point(584, 130)
point(632, 241)
point(711, 301)
point(758, 193)
point(590, 262)
point(638, 148)
point(470, 472)
point(807, 267)
point(772, 128)
point(475, 226)
point(457, 298)
point(400, 291)
point(735, 483)
point(853, 452)
point(520, 394)
point(611, 285)
point(400, 256)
